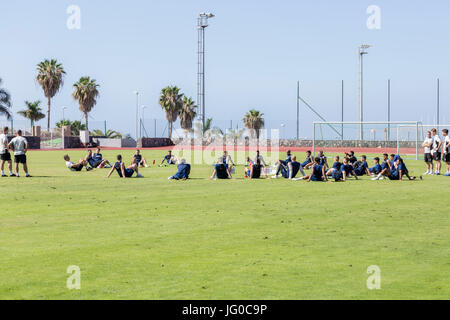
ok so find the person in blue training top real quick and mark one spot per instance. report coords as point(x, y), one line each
point(363, 167)
point(184, 169)
point(376, 169)
point(336, 166)
point(323, 159)
point(292, 168)
point(282, 164)
point(318, 172)
point(309, 161)
point(220, 170)
point(96, 160)
point(385, 168)
point(347, 170)
point(124, 172)
point(140, 160)
point(402, 170)
point(168, 158)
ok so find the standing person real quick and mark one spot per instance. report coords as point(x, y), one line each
point(427, 144)
point(436, 151)
point(446, 150)
point(20, 147)
point(5, 156)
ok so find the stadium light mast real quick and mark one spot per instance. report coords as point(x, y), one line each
point(137, 114)
point(362, 50)
point(202, 25)
point(63, 109)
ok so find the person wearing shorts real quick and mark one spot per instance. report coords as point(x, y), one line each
point(5, 155)
point(125, 172)
point(76, 166)
point(446, 151)
point(436, 151)
point(20, 146)
point(427, 144)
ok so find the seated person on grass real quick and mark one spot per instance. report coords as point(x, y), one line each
point(323, 159)
point(282, 164)
point(361, 167)
point(309, 161)
point(351, 157)
point(220, 170)
point(347, 170)
point(260, 158)
point(168, 159)
point(336, 166)
point(253, 169)
point(140, 161)
point(376, 169)
point(385, 168)
point(96, 160)
point(400, 171)
point(318, 172)
point(184, 169)
point(124, 172)
point(227, 161)
point(293, 167)
point(76, 166)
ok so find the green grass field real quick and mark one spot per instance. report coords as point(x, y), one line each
point(199, 239)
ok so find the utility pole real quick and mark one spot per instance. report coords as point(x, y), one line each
point(362, 50)
point(298, 110)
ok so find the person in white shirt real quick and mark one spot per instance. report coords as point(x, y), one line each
point(436, 151)
point(446, 150)
point(5, 156)
point(76, 166)
point(20, 147)
point(427, 144)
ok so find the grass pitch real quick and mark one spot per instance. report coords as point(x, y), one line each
point(200, 239)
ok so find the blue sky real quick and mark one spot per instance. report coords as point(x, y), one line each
point(256, 52)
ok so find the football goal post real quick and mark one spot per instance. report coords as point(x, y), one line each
point(374, 138)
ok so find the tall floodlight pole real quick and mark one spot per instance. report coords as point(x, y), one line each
point(362, 50)
point(142, 119)
point(438, 104)
point(342, 110)
point(389, 110)
point(137, 114)
point(64, 118)
point(202, 25)
point(298, 110)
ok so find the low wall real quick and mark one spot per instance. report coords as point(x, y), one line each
point(154, 142)
point(72, 143)
point(33, 142)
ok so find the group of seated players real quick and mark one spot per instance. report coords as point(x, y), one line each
point(391, 167)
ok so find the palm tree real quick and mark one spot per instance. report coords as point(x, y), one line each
point(235, 134)
point(33, 112)
point(111, 134)
point(76, 127)
point(254, 121)
point(187, 114)
point(50, 77)
point(86, 93)
point(5, 102)
point(63, 123)
point(170, 101)
point(208, 131)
